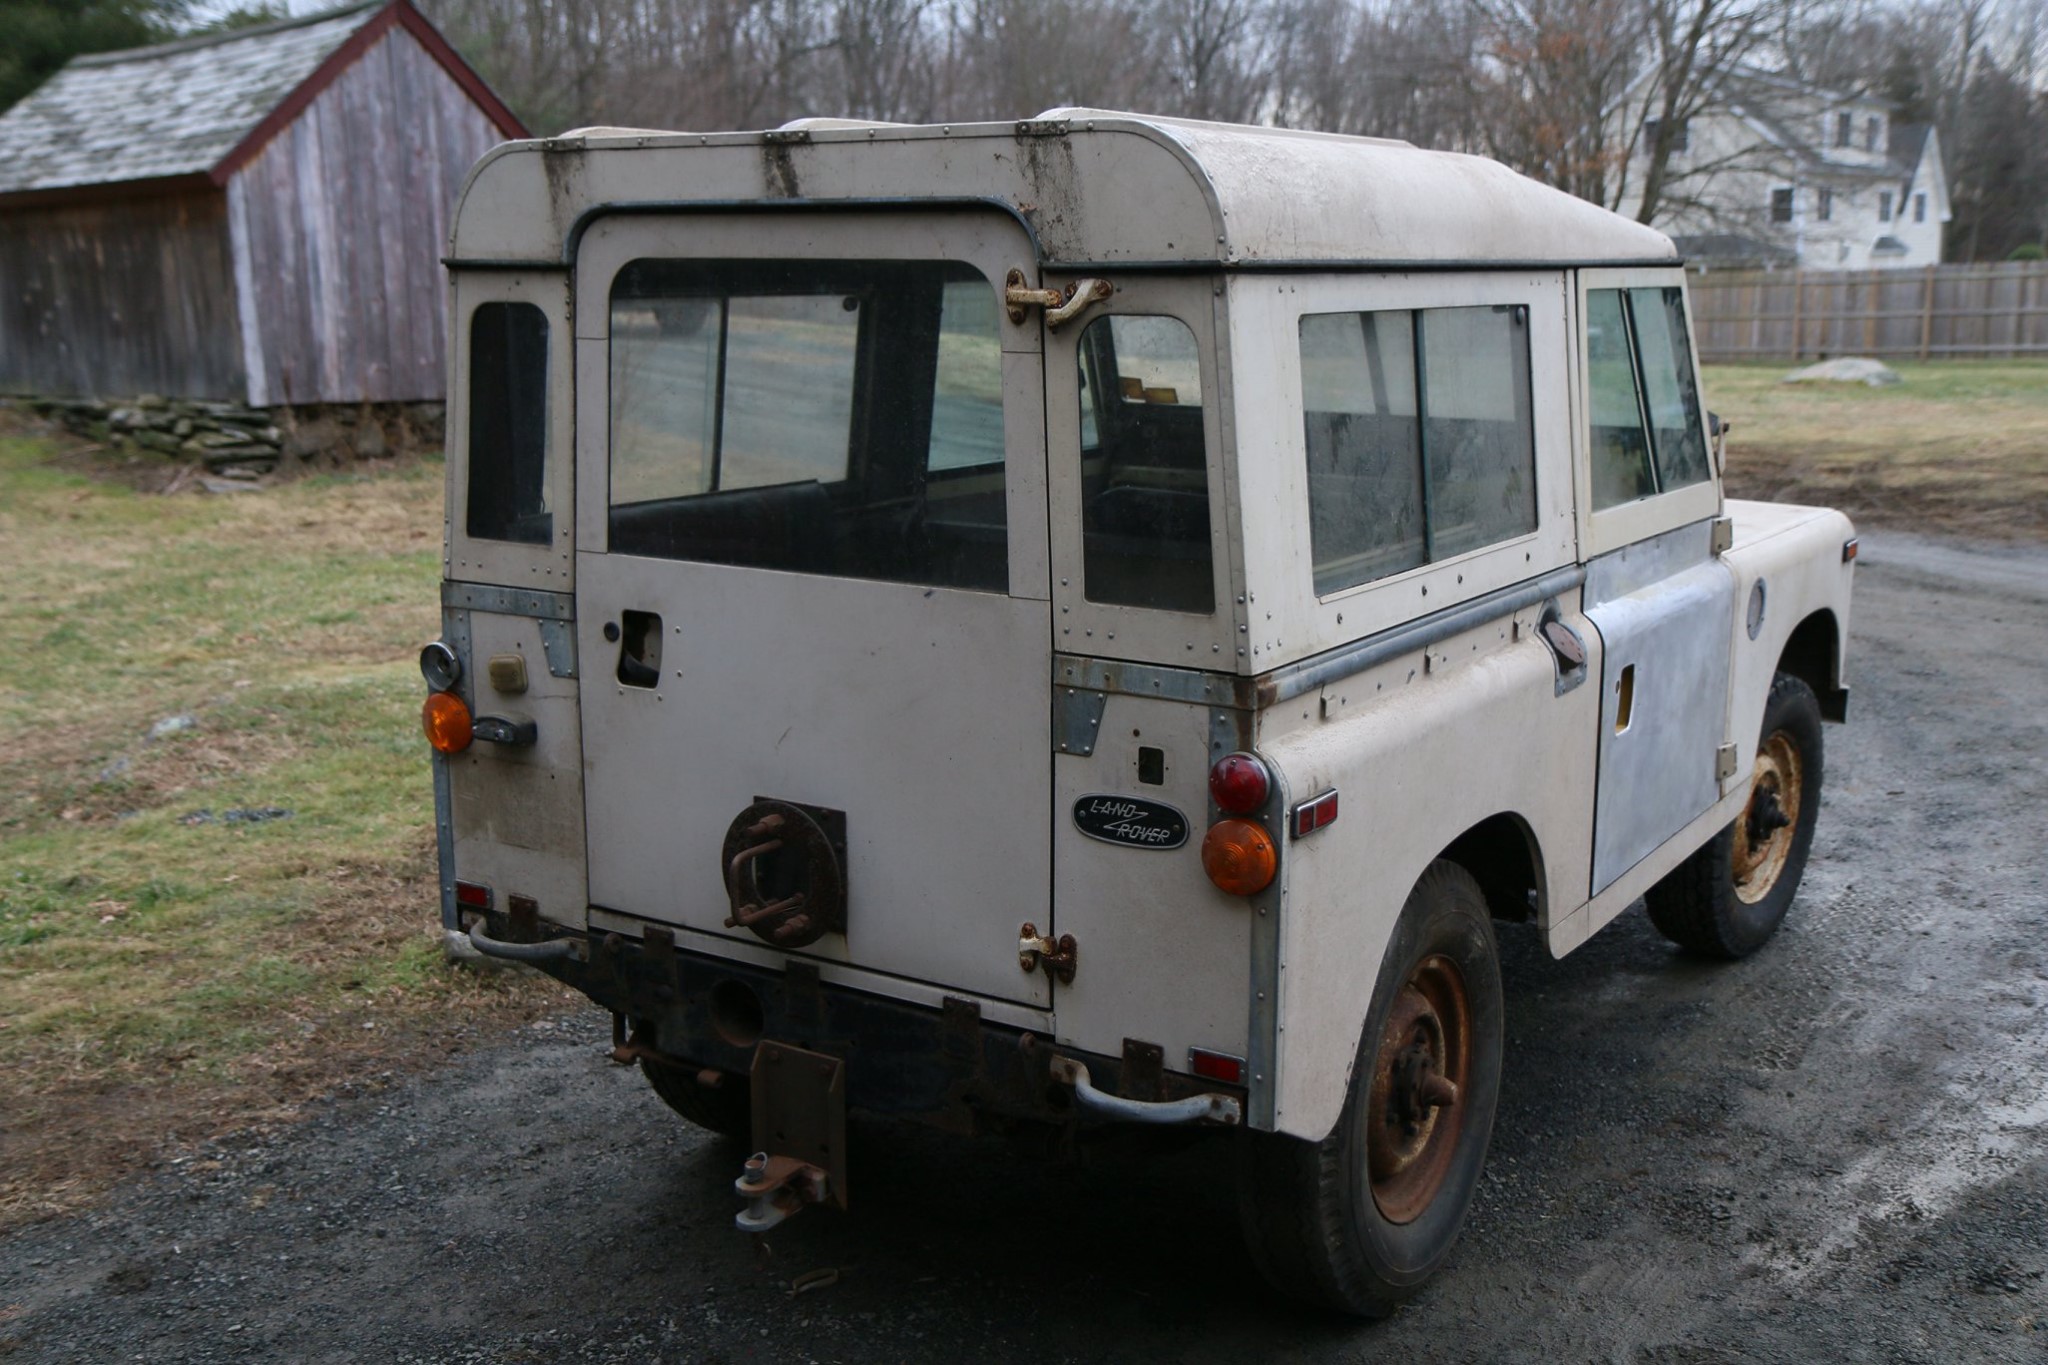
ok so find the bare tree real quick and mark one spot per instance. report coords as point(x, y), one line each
point(886, 59)
point(1552, 73)
point(1214, 57)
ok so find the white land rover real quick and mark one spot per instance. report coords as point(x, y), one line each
point(1089, 621)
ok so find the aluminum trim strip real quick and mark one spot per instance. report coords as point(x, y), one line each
point(444, 843)
point(535, 602)
point(1297, 679)
point(1150, 680)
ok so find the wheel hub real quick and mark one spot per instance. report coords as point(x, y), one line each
point(1763, 836)
point(1414, 1118)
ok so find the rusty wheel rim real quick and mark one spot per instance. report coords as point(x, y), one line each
point(1763, 836)
point(1416, 1112)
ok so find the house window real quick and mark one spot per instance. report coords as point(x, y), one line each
point(1826, 207)
point(1884, 206)
point(1870, 131)
point(1681, 134)
point(1919, 208)
point(1781, 206)
point(1842, 126)
point(1420, 435)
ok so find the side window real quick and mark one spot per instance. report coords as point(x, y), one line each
point(829, 417)
point(1420, 437)
point(1144, 466)
point(1647, 436)
point(1621, 450)
point(508, 428)
point(1668, 386)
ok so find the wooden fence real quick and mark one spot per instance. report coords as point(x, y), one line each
point(1933, 313)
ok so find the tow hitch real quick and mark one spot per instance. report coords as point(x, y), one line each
point(800, 1127)
point(775, 1187)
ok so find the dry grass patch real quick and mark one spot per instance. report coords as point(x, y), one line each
point(217, 895)
point(1960, 447)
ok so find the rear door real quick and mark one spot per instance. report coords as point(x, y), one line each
point(812, 569)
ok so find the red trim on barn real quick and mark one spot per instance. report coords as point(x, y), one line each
point(101, 192)
point(397, 14)
point(420, 27)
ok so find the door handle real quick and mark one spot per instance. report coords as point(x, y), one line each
point(638, 636)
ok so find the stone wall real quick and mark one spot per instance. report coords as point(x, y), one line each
point(236, 442)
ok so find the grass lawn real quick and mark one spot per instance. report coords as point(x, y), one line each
point(170, 969)
point(1959, 447)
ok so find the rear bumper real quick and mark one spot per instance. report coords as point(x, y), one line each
point(946, 1067)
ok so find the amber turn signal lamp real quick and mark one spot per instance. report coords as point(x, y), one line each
point(446, 721)
point(1239, 857)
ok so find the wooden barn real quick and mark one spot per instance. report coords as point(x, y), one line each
point(254, 217)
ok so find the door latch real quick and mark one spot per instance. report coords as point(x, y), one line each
point(1060, 305)
point(1035, 950)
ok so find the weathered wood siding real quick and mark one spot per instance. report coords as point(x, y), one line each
point(339, 226)
point(119, 297)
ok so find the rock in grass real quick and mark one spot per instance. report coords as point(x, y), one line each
point(369, 442)
point(1847, 370)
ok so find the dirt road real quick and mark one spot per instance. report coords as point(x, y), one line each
point(1837, 1150)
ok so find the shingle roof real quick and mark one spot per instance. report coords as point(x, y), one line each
point(173, 109)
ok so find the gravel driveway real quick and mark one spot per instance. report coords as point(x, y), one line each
point(1836, 1150)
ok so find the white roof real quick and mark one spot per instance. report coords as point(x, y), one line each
point(1096, 187)
point(174, 109)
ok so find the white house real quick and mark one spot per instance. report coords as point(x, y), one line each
point(1779, 172)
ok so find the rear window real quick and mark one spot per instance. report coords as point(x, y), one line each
point(1144, 466)
point(508, 409)
point(1421, 443)
point(829, 417)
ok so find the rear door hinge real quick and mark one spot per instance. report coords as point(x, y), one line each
point(1724, 534)
point(1036, 950)
point(1724, 762)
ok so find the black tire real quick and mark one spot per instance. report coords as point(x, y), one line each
point(1728, 898)
point(1312, 1211)
point(727, 1110)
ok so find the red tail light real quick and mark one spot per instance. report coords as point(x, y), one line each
point(1239, 784)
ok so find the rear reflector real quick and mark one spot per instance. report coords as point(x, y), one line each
point(1216, 1066)
point(472, 895)
point(1313, 815)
